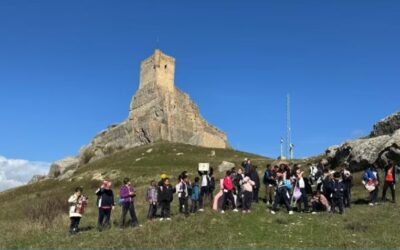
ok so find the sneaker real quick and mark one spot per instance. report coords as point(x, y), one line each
point(222, 211)
point(235, 210)
point(313, 212)
point(273, 212)
point(249, 211)
point(290, 212)
point(161, 219)
point(376, 203)
point(371, 204)
point(201, 210)
point(244, 211)
point(168, 218)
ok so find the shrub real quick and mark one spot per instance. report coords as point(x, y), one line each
point(46, 211)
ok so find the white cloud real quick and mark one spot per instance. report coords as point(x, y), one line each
point(16, 172)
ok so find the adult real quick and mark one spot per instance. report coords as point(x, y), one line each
point(301, 184)
point(390, 181)
point(256, 179)
point(127, 194)
point(348, 183)
point(282, 193)
point(77, 204)
point(105, 203)
point(269, 183)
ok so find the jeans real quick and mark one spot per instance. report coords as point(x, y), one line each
point(247, 199)
point(227, 196)
point(128, 207)
point(165, 209)
point(373, 196)
point(204, 193)
point(303, 199)
point(337, 202)
point(281, 196)
point(152, 211)
point(104, 218)
point(386, 185)
point(183, 205)
point(255, 194)
point(195, 206)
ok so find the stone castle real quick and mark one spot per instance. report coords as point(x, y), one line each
point(158, 112)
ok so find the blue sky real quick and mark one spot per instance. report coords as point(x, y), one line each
point(68, 69)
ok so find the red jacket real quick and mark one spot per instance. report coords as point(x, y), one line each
point(228, 183)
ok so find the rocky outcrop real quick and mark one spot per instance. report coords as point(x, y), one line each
point(383, 145)
point(387, 125)
point(60, 167)
point(158, 112)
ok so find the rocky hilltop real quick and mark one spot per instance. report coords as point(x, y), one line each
point(381, 145)
point(158, 111)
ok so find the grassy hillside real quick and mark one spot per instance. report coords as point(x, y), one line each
point(22, 224)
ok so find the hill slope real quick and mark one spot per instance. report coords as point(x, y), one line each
point(22, 224)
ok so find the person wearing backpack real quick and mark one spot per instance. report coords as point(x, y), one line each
point(77, 204)
point(371, 181)
point(127, 194)
point(195, 196)
point(105, 203)
point(152, 198)
point(282, 193)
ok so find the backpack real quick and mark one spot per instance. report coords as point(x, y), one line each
point(287, 184)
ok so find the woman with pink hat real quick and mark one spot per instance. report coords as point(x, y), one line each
point(105, 203)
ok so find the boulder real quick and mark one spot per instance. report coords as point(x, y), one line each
point(384, 145)
point(225, 166)
point(60, 167)
point(37, 178)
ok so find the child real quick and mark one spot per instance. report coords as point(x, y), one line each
point(105, 203)
point(151, 197)
point(282, 193)
point(183, 194)
point(247, 194)
point(338, 189)
point(319, 203)
point(166, 197)
point(77, 204)
point(228, 195)
point(195, 197)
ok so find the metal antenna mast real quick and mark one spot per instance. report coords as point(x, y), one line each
point(289, 145)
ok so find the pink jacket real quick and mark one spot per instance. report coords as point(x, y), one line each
point(248, 184)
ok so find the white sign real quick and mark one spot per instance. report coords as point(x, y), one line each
point(204, 166)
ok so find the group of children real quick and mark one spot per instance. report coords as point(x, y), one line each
point(330, 191)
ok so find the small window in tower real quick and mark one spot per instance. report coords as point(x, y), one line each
point(165, 66)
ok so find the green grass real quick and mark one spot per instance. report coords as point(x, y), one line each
point(360, 227)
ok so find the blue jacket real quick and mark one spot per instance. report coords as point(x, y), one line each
point(368, 174)
point(195, 192)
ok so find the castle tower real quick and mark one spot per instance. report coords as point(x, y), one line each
point(158, 70)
